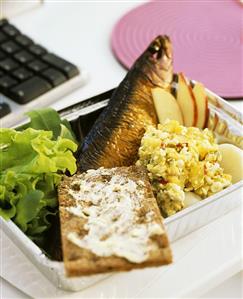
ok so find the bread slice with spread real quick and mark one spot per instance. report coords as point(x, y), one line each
point(110, 221)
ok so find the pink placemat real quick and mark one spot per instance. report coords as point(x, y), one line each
point(207, 39)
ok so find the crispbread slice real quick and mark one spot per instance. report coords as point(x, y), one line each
point(125, 194)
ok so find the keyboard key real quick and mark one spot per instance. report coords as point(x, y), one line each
point(37, 50)
point(4, 109)
point(3, 37)
point(23, 40)
point(6, 82)
point(3, 22)
point(2, 55)
point(10, 30)
point(69, 69)
point(29, 90)
point(37, 65)
point(8, 64)
point(23, 56)
point(22, 74)
point(10, 47)
point(54, 77)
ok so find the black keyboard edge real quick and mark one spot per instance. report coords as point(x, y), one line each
point(27, 69)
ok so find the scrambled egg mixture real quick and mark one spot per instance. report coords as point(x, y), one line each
point(179, 160)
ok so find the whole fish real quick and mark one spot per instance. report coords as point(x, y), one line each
point(115, 138)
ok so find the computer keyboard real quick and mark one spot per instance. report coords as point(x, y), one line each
point(4, 109)
point(30, 76)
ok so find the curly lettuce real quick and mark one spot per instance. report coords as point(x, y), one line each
point(31, 165)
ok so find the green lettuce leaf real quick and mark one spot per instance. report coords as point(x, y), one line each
point(33, 151)
point(66, 133)
point(45, 119)
point(31, 166)
point(48, 119)
point(27, 208)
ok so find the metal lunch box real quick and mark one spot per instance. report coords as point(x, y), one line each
point(227, 124)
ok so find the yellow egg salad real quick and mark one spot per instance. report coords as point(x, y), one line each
point(179, 160)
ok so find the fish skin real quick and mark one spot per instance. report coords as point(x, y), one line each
point(115, 137)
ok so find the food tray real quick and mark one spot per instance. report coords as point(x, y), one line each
point(224, 120)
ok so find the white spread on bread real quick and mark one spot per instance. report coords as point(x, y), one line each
point(110, 205)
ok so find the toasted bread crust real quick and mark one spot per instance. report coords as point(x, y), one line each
point(81, 261)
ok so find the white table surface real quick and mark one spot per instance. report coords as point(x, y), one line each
point(80, 31)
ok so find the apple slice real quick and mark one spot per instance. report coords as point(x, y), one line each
point(186, 101)
point(202, 105)
point(166, 106)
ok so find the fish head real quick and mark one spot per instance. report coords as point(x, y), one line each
point(156, 62)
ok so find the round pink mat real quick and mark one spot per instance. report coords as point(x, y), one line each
point(206, 37)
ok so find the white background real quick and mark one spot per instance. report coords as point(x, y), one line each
point(80, 31)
